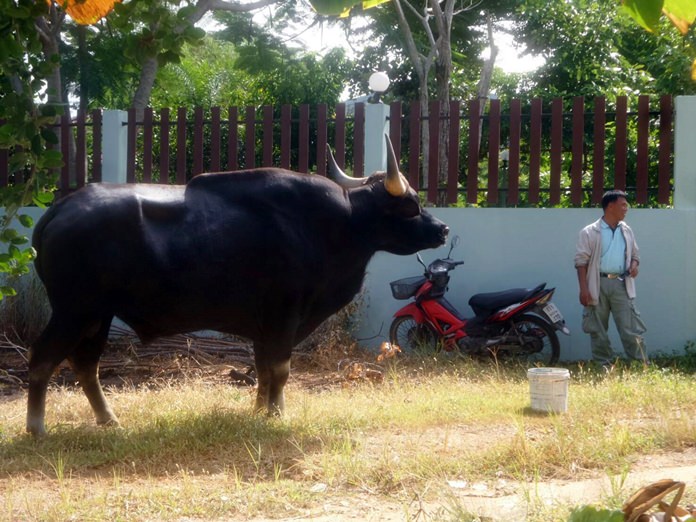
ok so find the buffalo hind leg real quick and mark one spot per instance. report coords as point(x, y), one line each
point(271, 376)
point(51, 348)
point(58, 341)
point(85, 363)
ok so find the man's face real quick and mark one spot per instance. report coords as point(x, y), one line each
point(618, 209)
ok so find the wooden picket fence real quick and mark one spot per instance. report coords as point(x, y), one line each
point(560, 152)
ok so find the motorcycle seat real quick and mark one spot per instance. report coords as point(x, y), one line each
point(485, 304)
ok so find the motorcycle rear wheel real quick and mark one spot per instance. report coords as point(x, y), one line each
point(538, 345)
point(412, 336)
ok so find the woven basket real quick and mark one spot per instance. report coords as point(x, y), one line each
point(650, 500)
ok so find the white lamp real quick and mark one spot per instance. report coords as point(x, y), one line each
point(378, 83)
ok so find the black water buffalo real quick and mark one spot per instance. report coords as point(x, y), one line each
point(266, 254)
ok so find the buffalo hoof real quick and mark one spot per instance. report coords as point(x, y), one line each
point(36, 431)
point(109, 423)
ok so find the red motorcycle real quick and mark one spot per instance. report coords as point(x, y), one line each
point(519, 323)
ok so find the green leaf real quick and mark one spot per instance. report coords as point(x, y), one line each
point(592, 514)
point(51, 159)
point(8, 235)
point(41, 199)
point(26, 221)
point(50, 136)
point(19, 240)
point(7, 291)
point(646, 12)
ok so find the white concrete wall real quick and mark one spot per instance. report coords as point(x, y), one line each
point(505, 248)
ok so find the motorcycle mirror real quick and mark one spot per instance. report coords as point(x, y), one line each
point(453, 243)
point(420, 259)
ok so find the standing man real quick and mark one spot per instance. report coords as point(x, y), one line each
point(606, 259)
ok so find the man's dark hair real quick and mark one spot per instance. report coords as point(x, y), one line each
point(612, 195)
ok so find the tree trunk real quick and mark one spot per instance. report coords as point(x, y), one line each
point(141, 99)
point(148, 73)
point(49, 28)
point(484, 86)
point(425, 130)
point(84, 60)
point(443, 72)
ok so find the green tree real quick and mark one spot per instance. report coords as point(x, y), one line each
point(433, 47)
point(591, 48)
point(26, 114)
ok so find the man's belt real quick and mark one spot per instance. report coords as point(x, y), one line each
point(611, 276)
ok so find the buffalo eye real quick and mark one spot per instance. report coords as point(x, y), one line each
point(407, 208)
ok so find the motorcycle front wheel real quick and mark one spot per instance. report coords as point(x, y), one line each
point(535, 341)
point(413, 337)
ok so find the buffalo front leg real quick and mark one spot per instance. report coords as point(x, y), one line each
point(85, 364)
point(271, 376)
point(88, 376)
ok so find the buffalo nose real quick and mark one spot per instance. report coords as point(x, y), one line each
point(445, 231)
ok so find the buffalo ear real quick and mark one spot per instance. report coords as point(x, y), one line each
point(395, 183)
point(335, 173)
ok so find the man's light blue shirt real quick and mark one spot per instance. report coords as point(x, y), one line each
point(613, 260)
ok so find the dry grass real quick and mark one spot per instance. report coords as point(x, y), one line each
point(358, 437)
point(190, 447)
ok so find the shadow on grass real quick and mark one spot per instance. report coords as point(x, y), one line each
point(252, 446)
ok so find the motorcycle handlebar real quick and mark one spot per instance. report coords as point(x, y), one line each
point(447, 264)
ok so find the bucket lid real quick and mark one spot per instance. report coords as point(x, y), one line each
point(548, 372)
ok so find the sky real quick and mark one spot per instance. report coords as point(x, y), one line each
point(324, 37)
point(509, 59)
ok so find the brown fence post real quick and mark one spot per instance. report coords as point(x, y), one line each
point(147, 145)
point(233, 138)
point(303, 153)
point(359, 141)
point(132, 142)
point(164, 147)
point(535, 150)
point(414, 125)
point(96, 145)
point(514, 153)
point(215, 162)
point(473, 150)
point(599, 135)
point(81, 150)
point(453, 154)
point(267, 157)
point(322, 137)
point(665, 150)
point(250, 142)
point(181, 146)
point(621, 143)
point(340, 135)
point(493, 150)
point(556, 150)
point(577, 150)
point(642, 150)
point(434, 152)
point(285, 135)
point(395, 116)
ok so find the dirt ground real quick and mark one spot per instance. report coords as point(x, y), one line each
point(503, 501)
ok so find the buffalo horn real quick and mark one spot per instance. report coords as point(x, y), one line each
point(340, 177)
point(395, 183)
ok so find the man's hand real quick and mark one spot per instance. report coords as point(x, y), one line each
point(585, 297)
point(633, 270)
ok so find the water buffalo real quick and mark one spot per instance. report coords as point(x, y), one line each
point(266, 254)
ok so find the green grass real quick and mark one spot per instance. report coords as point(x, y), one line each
point(193, 449)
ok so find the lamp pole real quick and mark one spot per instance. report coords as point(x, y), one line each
point(376, 118)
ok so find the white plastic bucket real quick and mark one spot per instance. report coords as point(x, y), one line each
point(548, 389)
